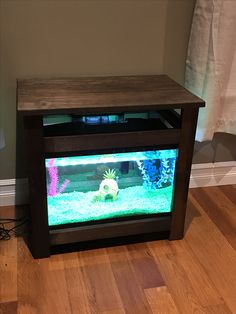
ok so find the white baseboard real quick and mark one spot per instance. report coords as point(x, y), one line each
point(15, 192)
point(213, 174)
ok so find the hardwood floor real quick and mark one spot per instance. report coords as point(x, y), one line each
point(193, 275)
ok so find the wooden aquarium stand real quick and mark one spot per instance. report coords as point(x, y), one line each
point(178, 112)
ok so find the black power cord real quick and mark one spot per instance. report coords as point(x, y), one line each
point(6, 233)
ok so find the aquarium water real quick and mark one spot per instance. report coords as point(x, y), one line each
point(97, 187)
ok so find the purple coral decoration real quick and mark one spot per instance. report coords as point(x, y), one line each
point(53, 173)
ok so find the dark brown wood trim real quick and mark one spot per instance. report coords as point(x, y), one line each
point(111, 140)
point(172, 117)
point(103, 94)
point(109, 230)
point(105, 109)
point(39, 233)
point(182, 172)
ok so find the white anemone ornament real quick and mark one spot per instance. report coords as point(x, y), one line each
point(108, 189)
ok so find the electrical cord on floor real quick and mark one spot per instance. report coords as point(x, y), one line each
point(6, 233)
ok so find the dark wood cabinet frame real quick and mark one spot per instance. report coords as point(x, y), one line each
point(105, 95)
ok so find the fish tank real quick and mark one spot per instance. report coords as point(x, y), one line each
point(97, 187)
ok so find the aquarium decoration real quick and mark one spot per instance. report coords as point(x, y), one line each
point(108, 189)
point(105, 186)
point(164, 173)
point(53, 178)
point(159, 172)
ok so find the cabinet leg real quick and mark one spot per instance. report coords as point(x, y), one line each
point(183, 169)
point(38, 237)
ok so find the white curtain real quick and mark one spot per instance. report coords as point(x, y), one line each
point(211, 65)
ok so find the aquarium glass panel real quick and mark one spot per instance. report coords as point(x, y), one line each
point(97, 187)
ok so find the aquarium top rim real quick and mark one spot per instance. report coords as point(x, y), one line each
point(111, 94)
point(111, 158)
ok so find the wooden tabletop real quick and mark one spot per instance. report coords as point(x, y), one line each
point(102, 94)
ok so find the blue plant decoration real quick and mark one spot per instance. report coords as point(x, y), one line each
point(158, 171)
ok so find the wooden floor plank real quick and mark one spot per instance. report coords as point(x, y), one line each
point(201, 285)
point(214, 253)
point(193, 275)
point(75, 285)
point(217, 309)
point(213, 198)
point(224, 203)
point(132, 295)
point(230, 192)
point(8, 308)
point(113, 312)
point(178, 284)
point(145, 267)
point(219, 209)
point(40, 289)
point(160, 301)
point(93, 257)
point(8, 271)
point(101, 287)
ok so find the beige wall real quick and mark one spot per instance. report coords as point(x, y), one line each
point(178, 26)
point(86, 37)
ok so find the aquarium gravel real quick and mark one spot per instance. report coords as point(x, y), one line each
point(80, 206)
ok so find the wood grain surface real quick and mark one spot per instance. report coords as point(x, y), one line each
point(62, 144)
point(193, 275)
point(109, 94)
